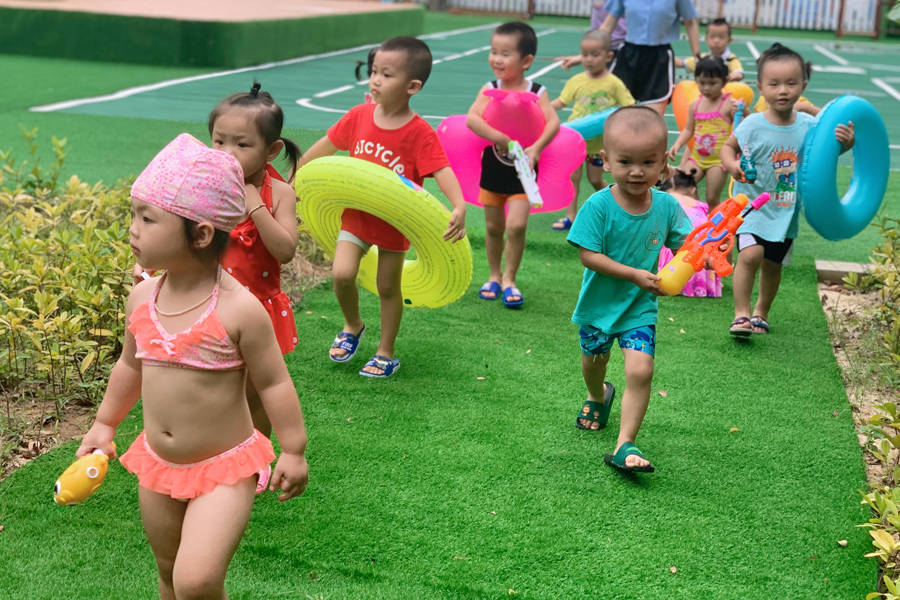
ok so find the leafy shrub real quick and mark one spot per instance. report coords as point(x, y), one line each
point(64, 260)
point(883, 428)
point(884, 279)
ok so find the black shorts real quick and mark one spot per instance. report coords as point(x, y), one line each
point(498, 173)
point(647, 71)
point(777, 252)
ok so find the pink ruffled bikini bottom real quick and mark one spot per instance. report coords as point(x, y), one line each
point(185, 481)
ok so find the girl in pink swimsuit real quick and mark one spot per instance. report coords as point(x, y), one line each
point(194, 335)
point(709, 122)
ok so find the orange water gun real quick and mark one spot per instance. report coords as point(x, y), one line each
point(713, 239)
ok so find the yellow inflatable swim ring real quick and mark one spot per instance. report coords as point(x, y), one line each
point(441, 271)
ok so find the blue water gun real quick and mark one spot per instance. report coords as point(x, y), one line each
point(747, 164)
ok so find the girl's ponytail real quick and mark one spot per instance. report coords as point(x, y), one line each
point(292, 153)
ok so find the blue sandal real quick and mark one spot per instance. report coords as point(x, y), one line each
point(617, 460)
point(757, 322)
point(347, 342)
point(563, 224)
point(512, 291)
point(490, 287)
point(387, 365)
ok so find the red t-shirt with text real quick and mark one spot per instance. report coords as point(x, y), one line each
point(413, 151)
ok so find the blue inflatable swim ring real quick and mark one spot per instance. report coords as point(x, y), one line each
point(591, 126)
point(840, 218)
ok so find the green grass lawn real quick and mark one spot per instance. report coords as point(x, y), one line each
point(464, 476)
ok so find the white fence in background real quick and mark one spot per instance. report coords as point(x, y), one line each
point(848, 16)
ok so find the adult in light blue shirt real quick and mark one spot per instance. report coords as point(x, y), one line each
point(646, 63)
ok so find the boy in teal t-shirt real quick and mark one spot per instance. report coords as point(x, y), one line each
point(619, 233)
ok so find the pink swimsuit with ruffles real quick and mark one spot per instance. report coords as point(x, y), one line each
point(204, 345)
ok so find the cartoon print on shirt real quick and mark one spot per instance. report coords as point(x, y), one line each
point(595, 102)
point(784, 164)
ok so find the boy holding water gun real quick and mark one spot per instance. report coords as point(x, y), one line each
point(506, 205)
point(769, 143)
point(619, 233)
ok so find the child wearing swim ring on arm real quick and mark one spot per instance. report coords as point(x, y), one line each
point(194, 336)
point(709, 122)
point(386, 133)
point(506, 207)
point(590, 92)
point(247, 126)
point(619, 233)
point(773, 141)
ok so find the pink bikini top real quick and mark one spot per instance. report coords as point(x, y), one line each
point(204, 345)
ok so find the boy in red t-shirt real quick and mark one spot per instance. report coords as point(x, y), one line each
point(387, 133)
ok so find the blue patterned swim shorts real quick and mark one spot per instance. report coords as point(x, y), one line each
point(594, 341)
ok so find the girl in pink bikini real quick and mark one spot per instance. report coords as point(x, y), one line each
point(194, 336)
point(709, 122)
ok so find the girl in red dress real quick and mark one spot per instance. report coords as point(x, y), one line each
point(248, 126)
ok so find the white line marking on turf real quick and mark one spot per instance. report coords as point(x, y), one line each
point(839, 69)
point(838, 92)
point(886, 87)
point(307, 103)
point(825, 51)
point(549, 67)
point(128, 92)
point(877, 67)
point(337, 90)
point(753, 50)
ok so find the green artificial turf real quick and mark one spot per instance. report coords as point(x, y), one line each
point(464, 476)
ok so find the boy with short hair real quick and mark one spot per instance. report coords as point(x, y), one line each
point(619, 233)
point(388, 133)
point(718, 38)
point(506, 207)
point(592, 91)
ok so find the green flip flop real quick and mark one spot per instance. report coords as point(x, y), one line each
point(617, 460)
point(597, 412)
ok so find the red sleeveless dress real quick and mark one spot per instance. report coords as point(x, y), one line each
point(248, 261)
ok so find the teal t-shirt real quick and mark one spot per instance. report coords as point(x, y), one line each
point(776, 152)
point(611, 304)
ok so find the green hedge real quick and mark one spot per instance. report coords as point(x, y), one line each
point(117, 38)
